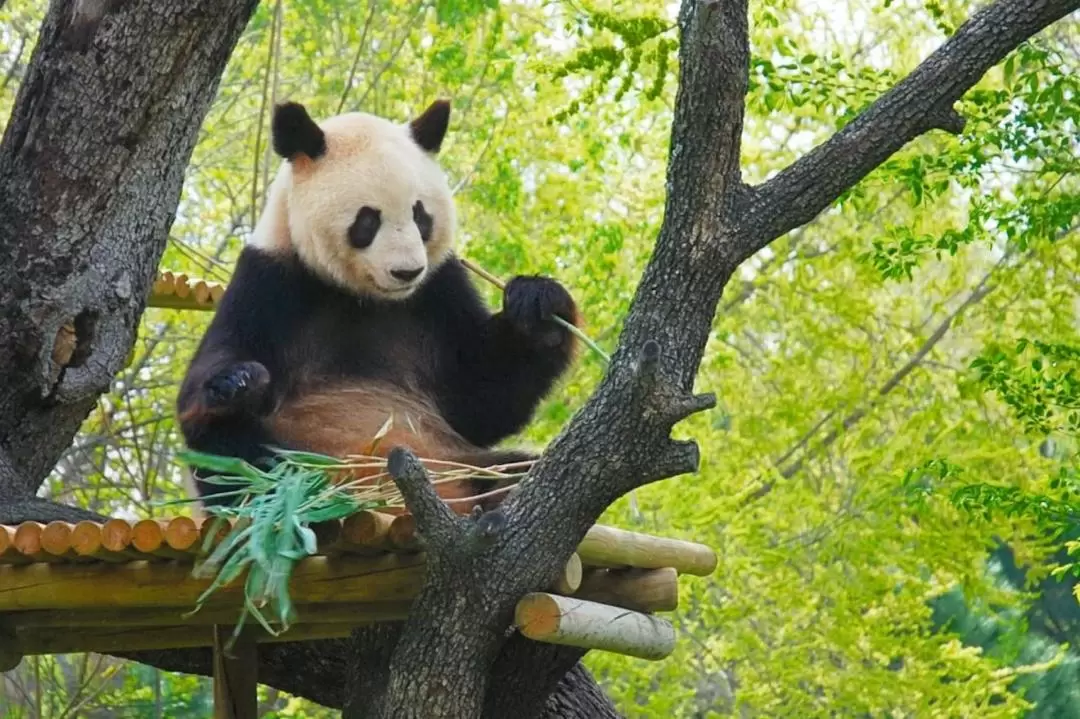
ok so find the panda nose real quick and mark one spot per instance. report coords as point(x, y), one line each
point(406, 275)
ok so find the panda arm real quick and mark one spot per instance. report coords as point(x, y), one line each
point(236, 376)
point(496, 368)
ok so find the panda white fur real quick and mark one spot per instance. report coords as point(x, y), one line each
point(348, 306)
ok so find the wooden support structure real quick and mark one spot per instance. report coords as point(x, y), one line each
point(121, 586)
point(580, 623)
point(235, 676)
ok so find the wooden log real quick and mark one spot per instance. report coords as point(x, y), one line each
point(116, 535)
point(366, 531)
point(570, 578)
point(9, 553)
point(182, 535)
point(219, 527)
point(56, 540)
point(201, 292)
point(643, 590)
point(107, 640)
point(235, 676)
point(28, 542)
point(350, 613)
point(216, 293)
point(402, 534)
point(148, 536)
point(182, 289)
point(611, 547)
point(143, 583)
point(574, 622)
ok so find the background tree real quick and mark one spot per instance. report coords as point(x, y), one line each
point(832, 383)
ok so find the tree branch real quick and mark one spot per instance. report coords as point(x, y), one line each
point(923, 101)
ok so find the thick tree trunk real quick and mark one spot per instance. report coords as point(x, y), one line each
point(91, 166)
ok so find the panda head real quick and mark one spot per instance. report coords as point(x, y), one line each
point(361, 200)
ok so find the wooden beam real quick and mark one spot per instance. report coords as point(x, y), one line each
point(578, 623)
point(143, 583)
point(132, 639)
point(76, 619)
point(236, 682)
point(611, 547)
point(643, 590)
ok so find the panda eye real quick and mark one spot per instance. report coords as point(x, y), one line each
point(424, 221)
point(364, 228)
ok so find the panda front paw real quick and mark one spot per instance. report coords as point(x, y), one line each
point(239, 387)
point(530, 303)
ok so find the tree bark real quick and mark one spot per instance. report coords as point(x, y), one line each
point(91, 167)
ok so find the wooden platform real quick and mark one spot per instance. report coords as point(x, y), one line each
point(100, 586)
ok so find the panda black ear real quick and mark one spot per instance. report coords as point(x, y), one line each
point(430, 128)
point(295, 133)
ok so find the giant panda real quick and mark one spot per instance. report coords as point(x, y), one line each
point(347, 307)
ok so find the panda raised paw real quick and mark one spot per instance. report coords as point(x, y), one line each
point(241, 386)
point(529, 304)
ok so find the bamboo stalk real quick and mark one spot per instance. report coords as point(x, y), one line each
point(481, 272)
point(643, 590)
point(578, 623)
point(142, 583)
point(611, 547)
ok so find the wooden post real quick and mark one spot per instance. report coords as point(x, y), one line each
point(577, 623)
point(235, 676)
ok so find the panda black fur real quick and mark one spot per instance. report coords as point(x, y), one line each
point(348, 306)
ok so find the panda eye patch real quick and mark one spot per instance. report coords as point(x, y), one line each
point(364, 228)
point(424, 221)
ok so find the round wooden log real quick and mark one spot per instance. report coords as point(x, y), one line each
point(56, 539)
point(148, 537)
point(570, 579)
point(182, 289)
point(116, 535)
point(142, 583)
point(367, 530)
point(9, 553)
point(643, 590)
point(182, 535)
point(611, 547)
point(574, 622)
point(216, 293)
point(201, 292)
point(219, 527)
point(28, 542)
point(402, 533)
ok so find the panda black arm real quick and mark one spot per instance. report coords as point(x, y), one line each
point(496, 368)
point(237, 374)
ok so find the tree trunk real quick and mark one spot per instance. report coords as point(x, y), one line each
point(91, 167)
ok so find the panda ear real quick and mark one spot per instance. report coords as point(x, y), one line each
point(429, 129)
point(295, 133)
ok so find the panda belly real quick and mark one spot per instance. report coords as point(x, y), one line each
point(369, 418)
